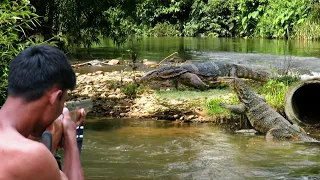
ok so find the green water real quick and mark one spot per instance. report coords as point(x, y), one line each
point(157, 48)
point(133, 149)
point(280, 54)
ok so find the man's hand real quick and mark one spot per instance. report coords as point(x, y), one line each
point(70, 120)
point(65, 124)
point(72, 166)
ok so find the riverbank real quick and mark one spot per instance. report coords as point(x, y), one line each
point(119, 94)
point(116, 95)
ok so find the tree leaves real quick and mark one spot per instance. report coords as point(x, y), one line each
point(16, 18)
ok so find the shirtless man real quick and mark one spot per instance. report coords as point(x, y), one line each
point(39, 78)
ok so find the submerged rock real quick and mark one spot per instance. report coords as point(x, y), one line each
point(247, 132)
point(113, 62)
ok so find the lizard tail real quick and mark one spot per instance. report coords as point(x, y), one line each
point(250, 73)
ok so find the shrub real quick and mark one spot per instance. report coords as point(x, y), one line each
point(17, 20)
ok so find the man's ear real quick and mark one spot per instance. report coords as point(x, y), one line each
point(55, 95)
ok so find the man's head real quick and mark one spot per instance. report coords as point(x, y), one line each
point(43, 73)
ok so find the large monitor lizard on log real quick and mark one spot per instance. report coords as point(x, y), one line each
point(262, 117)
point(194, 74)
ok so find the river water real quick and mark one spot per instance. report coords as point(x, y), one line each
point(135, 149)
point(148, 149)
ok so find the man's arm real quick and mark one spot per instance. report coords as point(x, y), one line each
point(72, 169)
point(72, 164)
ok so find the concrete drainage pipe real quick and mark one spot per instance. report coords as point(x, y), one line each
point(303, 102)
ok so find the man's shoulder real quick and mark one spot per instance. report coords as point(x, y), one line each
point(33, 160)
point(38, 156)
point(36, 150)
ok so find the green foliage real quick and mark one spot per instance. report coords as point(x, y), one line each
point(275, 90)
point(281, 17)
point(250, 12)
point(82, 23)
point(17, 25)
point(16, 18)
point(310, 28)
point(152, 12)
point(214, 107)
point(307, 30)
point(130, 90)
point(121, 25)
point(191, 94)
point(215, 17)
point(112, 85)
point(164, 29)
point(287, 79)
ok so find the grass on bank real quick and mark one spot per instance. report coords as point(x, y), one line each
point(192, 94)
point(309, 30)
point(274, 92)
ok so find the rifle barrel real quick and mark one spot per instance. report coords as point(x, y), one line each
point(84, 103)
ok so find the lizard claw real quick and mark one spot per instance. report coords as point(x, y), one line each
point(223, 105)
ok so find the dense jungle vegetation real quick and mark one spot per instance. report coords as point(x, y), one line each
point(69, 24)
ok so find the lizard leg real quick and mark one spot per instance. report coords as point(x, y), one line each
point(238, 109)
point(262, 97)
point(175, 84)
point(233, 71)
point(190, 79)
point(298, 128)
point(278, 134)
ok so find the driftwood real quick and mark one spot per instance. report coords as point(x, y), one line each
point(153, 64)
point(89, 63)
point(167, 58)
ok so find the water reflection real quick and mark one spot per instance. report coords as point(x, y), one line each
point(157, 48)
point(267, 53)
point(133, 149)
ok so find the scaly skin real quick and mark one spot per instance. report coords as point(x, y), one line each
point(262, 117)
point(194, 74)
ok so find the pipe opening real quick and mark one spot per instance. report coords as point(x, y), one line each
point(305, 103)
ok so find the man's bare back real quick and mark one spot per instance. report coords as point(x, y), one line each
point(17, 152)
point(39, 78)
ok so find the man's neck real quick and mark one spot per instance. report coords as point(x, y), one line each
point(19, 115)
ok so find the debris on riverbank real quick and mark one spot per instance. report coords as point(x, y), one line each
point(116, 94)
point(120, 94)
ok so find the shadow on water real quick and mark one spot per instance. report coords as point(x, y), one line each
point(137, 149)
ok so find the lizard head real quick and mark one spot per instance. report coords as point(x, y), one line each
point(244, 94)
point(150, 75)
point(165, 72)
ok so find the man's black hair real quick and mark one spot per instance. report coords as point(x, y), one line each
point(37, 69)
